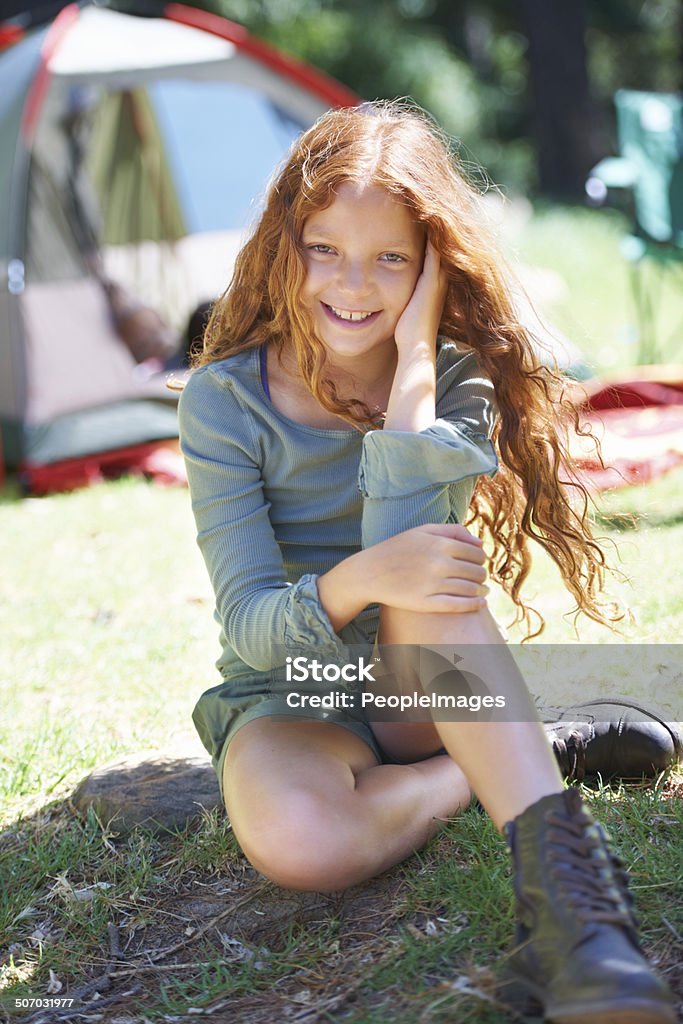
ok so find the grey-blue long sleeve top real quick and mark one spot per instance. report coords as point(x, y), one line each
point(278, 503)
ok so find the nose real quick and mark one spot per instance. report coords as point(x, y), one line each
point(354, 278)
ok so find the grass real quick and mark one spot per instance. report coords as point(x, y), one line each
point(108, 639)
point(108, 614)
point(582, 285)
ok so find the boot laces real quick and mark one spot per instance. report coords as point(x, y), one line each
point(571, 753)
point(592, 876)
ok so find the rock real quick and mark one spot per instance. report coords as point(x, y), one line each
point(153, 789)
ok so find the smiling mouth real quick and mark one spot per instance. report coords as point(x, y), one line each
point(349, 316)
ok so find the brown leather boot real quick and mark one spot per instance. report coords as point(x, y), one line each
point(577, 951)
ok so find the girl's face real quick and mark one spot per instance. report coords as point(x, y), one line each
point(363, 255)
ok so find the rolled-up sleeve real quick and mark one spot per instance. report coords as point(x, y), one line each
point(409, 479)
point(259, 610)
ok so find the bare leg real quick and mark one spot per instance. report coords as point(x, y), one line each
point(509, 765)
point(313, 810)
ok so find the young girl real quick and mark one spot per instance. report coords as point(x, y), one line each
point(365, 388)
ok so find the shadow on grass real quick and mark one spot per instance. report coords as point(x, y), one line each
point(157, 923)
point(624, 522)
point(165, 921)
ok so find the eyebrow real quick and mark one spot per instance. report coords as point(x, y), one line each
point(321, 229)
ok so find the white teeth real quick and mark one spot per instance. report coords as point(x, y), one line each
point(345, 314)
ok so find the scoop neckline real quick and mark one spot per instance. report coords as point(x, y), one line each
point(329, 431)
point(324, 431)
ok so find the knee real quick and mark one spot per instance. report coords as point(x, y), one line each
point(300, 842)
point(398, 626)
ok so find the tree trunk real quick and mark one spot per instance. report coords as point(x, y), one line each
point(562, 109)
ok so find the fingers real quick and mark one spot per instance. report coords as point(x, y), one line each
point(455, 541)
point(421, 317)
point(452, 530)
point(460, 559)
point(459, 586)
point(442, 602)
point(432, 266)
point(458, 605)
point(463, 552)
point(432, 259)
point(469, 571)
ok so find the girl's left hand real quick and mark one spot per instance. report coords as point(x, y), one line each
point(420, 320)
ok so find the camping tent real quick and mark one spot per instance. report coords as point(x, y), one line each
point(145, 141)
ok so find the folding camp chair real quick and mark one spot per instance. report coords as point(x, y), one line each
point(650, 138)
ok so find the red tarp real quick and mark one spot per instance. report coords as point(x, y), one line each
point(637, 414)
point(638, 417)
point(160, 461)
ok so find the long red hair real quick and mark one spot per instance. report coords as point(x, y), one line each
point(398, 148)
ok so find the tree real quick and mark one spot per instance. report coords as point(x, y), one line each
point(526, 87)
point(563, 115)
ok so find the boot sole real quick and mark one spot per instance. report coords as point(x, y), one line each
point(522, 997)
point(634, 1013)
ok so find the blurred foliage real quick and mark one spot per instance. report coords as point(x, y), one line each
point(635, 45)
point(467, 62)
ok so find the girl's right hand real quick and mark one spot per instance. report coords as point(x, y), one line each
point(432, 568)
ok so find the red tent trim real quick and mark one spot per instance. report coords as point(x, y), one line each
point(10, 34)
point(336, 94)
point(34, 100)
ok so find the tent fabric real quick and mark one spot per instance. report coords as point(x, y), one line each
point(134, 149)
point(131, 175)
point(104, 49)
point(18, 67)
point(116, 425)
point(99, 373)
